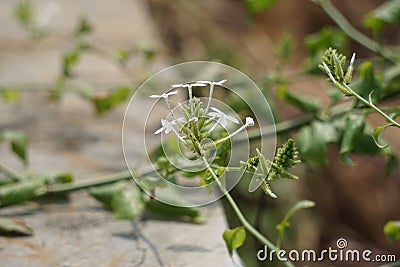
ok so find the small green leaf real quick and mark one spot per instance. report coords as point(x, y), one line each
point(234, 238)
point(19, 192)
point(14, 227)
point(327, 37)
point(123, 55)
point(71, 58)
point(19, 142)
point(313, 141)
point(306, 104)
point(353, 131)
point(168, 210)
point(84, 27)
point(106, 193)
point(178, 207)
point(256, 6)
point(317, 43)
point(151, 183)
point(10, 95)
point(367, 81)
point(23, 12)
point(109, 101)
point(392, 230)
point(387, 13)
point(57, 177)
point(285, 47)
point(377, 132)
point(128, 204)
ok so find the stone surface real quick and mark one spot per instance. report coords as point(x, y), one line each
point(68, 135)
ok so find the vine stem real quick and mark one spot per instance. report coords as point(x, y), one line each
point(240, 215)
point(370, 104)
point(10, 173)
point(352, 32)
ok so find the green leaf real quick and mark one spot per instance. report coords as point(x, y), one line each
point(327, 37)
point(57, 177)
point(71, 58)
point(392, 230)
point(19, 142)
point(168, 210)
point(367, 81)
point(317, 43)
point(306, 104)
point(234, 238)
point(123, 55)
point(178, 206)
point(256, 6)
point(313, 141)
point(14, 227)
point(387, 13)
point(84, 27)
point(353, 131)
point(19, 192)
point(151, 183)
point(377, 132)
point(10, 95)
point(128, 204)
point(23, 12)
point(285, 47)
point(109, 101)
point(106, 193)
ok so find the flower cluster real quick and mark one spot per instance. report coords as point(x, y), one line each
point(333, 65)
point(285, 158)
point(197, 122)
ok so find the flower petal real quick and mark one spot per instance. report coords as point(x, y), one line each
point(155, 96)
point(249, 121)
point(232, 119)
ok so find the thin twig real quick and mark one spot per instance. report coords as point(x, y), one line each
point(152, 247)
point(240, 215)
point(352, 32)
point(11, 174)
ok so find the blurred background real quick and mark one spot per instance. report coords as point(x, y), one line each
point(91, 47)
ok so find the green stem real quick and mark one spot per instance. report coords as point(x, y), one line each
point(371, 105)
point(240, 215)
point(352, 32)
point(11, 174)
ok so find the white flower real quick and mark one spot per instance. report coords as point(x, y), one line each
point(328, 72)
point(249, 122)
point(189, 87)
point(353, 57)
point(165, 96)
point(222, 118)
point(168, 126)
point(211, 90)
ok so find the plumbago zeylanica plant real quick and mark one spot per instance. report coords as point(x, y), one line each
point(201, 129)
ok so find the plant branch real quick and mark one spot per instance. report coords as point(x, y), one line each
point(352, 32)
point(371, 105)
point(10, 173)
point(240, 215)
